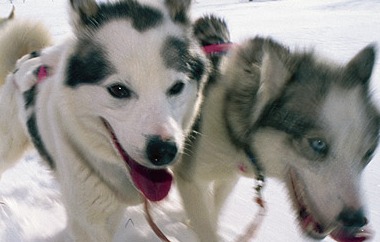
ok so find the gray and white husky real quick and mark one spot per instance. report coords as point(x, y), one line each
point(304, 120)
point(108, 109)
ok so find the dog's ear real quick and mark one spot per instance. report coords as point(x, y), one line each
point(82, 12)
point(273, 77)
point(12, 14)
point(178, 10)
point(359, 69)
point(255, 74)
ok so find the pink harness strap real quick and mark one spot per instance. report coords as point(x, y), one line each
point(217, 48)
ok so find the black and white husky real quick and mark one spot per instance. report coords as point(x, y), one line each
point(109, 109)
point(290, 115)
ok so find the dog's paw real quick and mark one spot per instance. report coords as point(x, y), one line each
point(52, 56)
point(25, 76)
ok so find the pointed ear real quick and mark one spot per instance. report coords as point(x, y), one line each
point(12, 14)
point(359, 69)
point(273, 77)
point(274, 74)
point(83, 11)
point(178, 10)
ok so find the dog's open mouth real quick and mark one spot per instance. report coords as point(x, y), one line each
point(310, 225)
point(154, 184)
point(358, 235)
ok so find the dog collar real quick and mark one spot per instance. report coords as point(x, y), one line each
point(255, 224)
point(213, 49)
point(260, 174)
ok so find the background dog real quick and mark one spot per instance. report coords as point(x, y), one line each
point(108, 109)
point(308, 122)
point(18, 38)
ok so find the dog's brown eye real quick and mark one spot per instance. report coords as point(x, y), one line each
point(319, 146)
point(119, 91)
point(176, 88)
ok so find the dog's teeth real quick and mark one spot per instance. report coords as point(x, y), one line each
point(364, 233)
point(310, 228)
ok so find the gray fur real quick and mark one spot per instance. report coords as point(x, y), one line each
point(310, 123)
point(212, 30)
point(178, 55)
point(178, 10)
point(244, 80)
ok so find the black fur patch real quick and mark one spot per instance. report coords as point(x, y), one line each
point(35, 54)
point(293, 123)
point(176, 55)
point(88, 65)
point(196, 69)
point(142, 17)
point(178, 10)
point(181, 17)
point(37, 141)
point(29, 97)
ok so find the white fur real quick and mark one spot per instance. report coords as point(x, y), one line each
point(94, 179)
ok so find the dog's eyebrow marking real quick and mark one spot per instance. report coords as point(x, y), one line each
point(29, 97)
point(176, 55)
point(287, 121)
point(142, 17)
point(87, 65)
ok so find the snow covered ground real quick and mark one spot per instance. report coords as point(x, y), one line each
point(30, 208)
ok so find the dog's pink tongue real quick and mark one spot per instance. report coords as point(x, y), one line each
point(154, 184)
point(362, 234)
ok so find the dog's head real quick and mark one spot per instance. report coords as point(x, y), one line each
point(137, 73)
point(313, 126)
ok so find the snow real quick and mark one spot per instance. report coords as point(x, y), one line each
point(30, 208)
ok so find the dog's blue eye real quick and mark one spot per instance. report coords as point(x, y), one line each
point(176, 88)
point(319, 146)
point(119, 91)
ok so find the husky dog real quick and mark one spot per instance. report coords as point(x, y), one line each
point(109, 109)
point(18, 38)
point(304, 120)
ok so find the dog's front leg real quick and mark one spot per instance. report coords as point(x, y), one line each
point(222, 188)
point(194, 198)
point(13, 136)
point(95, 224)
point(93, 211)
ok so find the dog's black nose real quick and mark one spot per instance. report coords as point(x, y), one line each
point(353, 219)
point(161, 152)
